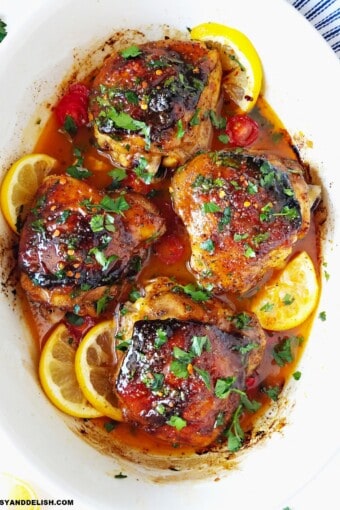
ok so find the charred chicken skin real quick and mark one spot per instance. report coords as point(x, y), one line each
point(151, 103)
point(78, 244)
point(184, 372)
point(243, 212)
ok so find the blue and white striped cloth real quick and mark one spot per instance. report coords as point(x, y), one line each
point(325, 16)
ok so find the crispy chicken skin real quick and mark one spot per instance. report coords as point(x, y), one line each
point(243, 212)
point(152, 102)
point(182, 353)
point(78, 244)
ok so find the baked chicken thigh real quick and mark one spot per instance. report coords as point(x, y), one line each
point(78, 244)
point(151, 103)
point(184, 372)
point(243, 212)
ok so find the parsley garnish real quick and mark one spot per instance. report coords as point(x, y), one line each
point(208, 246)
point(177, 422)
point(109, 426)
point(267, 307)
point(74, 319)
point(210, 207)
point(273, 392)
point(225, 219)
point(161, 338)
point(223, 387)
point(204, 375)
point(282, 352)
point(198, 343)
point(241, 320)
point(217, 122)
point(180, 129)
point(288, 299)
point(141, 170)
point(131, 52)
point(322, 316)
point(117, 205)
point(195, 118)
point(297, 375)
point(3, 30)
point(134, 295)
point(77, 171)
point(196, 292)
point(70, 126)
point(224, 138)
point(101, 258)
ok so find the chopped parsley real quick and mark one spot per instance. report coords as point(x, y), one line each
point(322, 316)
point(273, 392)
point(224, 138)
point(241, 320)
point(198, 343)
point(225, 219)
point(282, 352)
point(208, 246)
point(70, 126)
point(204, 375)
point(196, 292)
point(101, 258)
point(161, 338)
point(210, 207)
point(116, 205)
point(3, 30)
point(120, 476)
point(288, 299)
point(77, 171)
point(297, 375)
point(177, 422)
point(74, 319)
point(180, 129)
point(141, 170)
point(217, 122)
point(195, 118)
point(131, 52)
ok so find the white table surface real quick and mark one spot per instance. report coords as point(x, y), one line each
point(320, 493)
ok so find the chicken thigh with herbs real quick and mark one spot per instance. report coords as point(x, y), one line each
point(150, 104)
point(79, 244)
point(184, 371)
point(243, 212)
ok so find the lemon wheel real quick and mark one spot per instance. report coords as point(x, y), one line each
point(58, 377)
point(14, 488)
point(20, 185)
point(94, 365)
point(239, 59)
point(288, 299)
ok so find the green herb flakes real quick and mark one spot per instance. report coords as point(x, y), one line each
point(177, 422)
point(131, 52)
point(3, 30)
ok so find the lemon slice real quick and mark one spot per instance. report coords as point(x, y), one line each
point(94, 364)
point(288, 299)
point(58, 377)
point(16, 489)
point(239, 60)
point(20, 186)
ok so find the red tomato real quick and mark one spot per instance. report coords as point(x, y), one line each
point(132, 181)
point(79, 331)
point(169, 249)
point(74, 104)
point(242, 130)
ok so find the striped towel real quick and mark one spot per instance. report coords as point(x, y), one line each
point(325, 16)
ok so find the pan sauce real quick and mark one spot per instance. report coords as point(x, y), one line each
point(272, 138)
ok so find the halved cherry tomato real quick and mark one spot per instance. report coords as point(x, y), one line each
point(132, 181)
point(78, 331)
point(169, 249)
point(242, 130)
point(74, 104)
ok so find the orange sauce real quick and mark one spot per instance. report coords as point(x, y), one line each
point(272, 138)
